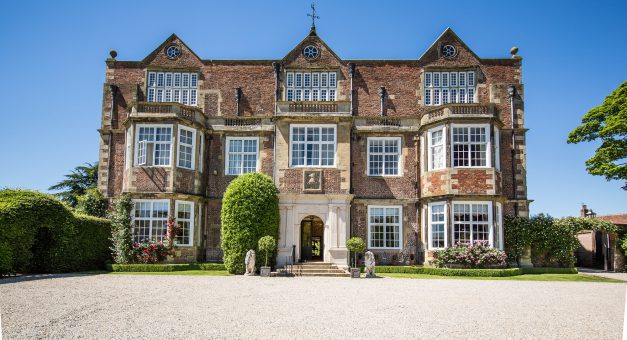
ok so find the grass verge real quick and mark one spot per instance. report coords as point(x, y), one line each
point(523, 277)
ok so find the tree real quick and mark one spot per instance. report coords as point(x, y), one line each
point(607, 123)
point(92, 203)
point(250, 210)
point(355, 245)
point(267, 244)
point(77, 183)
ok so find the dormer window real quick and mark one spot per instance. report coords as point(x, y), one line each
point(442, 88)
point(311, 86)
point(172, 87)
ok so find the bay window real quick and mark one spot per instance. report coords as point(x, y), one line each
point(150, 220)
point(449, 87)
point(437, 225)
point(470, 145)
point(241, 155)
point(172, 87)
point(312, 145)
point(153, 145)
point(187, 143)
point(385, 227)
point(436, 150)
point(472, 221)
point(311, 86)
point(184, 212)
point(384, 155)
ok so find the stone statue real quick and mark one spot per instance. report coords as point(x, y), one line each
point(370, 263)
point(250, 263)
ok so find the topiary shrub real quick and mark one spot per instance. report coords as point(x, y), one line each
point(355, 245)
point(267, 245)
point(250, 210)
point(6, 259)
point(93, 242)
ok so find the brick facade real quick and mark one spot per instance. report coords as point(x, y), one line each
point(387, 100)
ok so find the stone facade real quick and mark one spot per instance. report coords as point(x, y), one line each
point(390, 103)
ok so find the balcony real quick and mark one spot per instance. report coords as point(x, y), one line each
point(167, 110)
point(458, 111)
point(285, 108)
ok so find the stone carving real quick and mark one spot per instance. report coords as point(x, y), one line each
point(370, 264)
point(250, 263)
point(312, 180)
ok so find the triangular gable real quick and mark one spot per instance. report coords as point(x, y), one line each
point(187, 58)
point(434, 53)
point(296, 59)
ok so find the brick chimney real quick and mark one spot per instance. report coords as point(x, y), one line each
point(584, 209)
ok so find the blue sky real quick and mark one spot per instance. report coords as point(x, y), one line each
point(575, 53)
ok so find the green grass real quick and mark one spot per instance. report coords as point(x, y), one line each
point(524, 277)
point(183, 272)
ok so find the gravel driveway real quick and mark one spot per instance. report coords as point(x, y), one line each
point(125, 306)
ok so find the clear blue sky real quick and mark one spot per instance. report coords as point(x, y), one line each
point(52, 67)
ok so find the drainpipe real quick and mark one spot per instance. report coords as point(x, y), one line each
point(382, 94)
point(276, 67)
point(351, 73)
point(238, 98)
point(511, 93)
point(113, 89)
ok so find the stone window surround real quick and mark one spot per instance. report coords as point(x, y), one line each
point(132, 150)
point(227, 148)
point(400, 227)
point(190, 233)
point(399, 165)
point(290, 83)
point(152, 86)
point(186, 145)
point(291, 145)
point(430, 86)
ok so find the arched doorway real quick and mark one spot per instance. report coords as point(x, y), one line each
point(311, 239)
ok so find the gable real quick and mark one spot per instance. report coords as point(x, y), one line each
point(186, 59)
point(463, 54)
point(296, 59)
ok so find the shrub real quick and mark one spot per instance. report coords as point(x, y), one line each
point(150, 252)
point(267, 244)
point(519, 235)
point(44, 236)
point(166, 267)
point(476, 255)
point(355, 245)
point(92, 203)
point(250, 211)
point(120, 216)
point(473, 272)
point(6, 259)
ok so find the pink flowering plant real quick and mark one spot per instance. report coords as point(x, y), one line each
point(152, 251)
point(478, 254)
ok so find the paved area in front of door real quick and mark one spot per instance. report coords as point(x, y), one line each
point(128, 306)
point(603, 273)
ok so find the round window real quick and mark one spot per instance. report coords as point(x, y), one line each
point(311, 52)
point(173, 51)
point(449, 51)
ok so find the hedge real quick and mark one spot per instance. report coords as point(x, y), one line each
point(473, 272)
point(165, 267)
point(44, 236)
point(250, 210)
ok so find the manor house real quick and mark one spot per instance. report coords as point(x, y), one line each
point(411, 155)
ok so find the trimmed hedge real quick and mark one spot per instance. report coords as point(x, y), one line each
point(473, 272)
point(250, 210)
point(44, 236)
point(165, 267)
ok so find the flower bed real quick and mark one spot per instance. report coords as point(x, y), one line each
point(473, 272)
point(165, 267)
point(478, 254)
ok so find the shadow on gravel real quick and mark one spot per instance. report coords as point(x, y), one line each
point(34, 277)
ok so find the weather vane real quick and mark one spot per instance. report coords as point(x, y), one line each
point(313, 15)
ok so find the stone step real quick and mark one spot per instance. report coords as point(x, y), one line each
point(314, 271)
point(344, 274)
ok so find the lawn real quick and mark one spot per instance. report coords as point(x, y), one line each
point(182, 272)
point(525, 277)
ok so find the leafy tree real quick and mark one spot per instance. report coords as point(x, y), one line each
point(77, 183)
point(355, 245)
point(250, 210)
point(608, 123)
point(267, 244)
point(92, 203)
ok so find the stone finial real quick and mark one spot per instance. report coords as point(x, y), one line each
point(113, 54)
point(514, 51)
point(351, 69)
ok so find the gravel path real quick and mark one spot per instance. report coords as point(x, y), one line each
point(125, 306)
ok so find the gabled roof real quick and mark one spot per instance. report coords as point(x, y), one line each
point(327, 56)
point(448, 36)
point(188, 56)
point(619, 219)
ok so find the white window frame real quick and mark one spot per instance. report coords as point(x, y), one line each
point(400, 227)
point(127, 152)
point(499, 226)
point(488, 160)
point(316, 88)
point(430, 147)
point(497, 148)
point(181, 144)
point(149, 218)
point(226, 154)
point(490, 220)
point(191, 221)
point(136, 157)
point(399, 153)
point(435, 83)
point(182, 87)
point(201, 152)
point(319, 126)
point(430, 224)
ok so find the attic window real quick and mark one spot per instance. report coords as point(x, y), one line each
point(449, 51)
point(442, 88)
point(311, 86)
point(173, 87)
point(311, 52)
point(173, 51)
